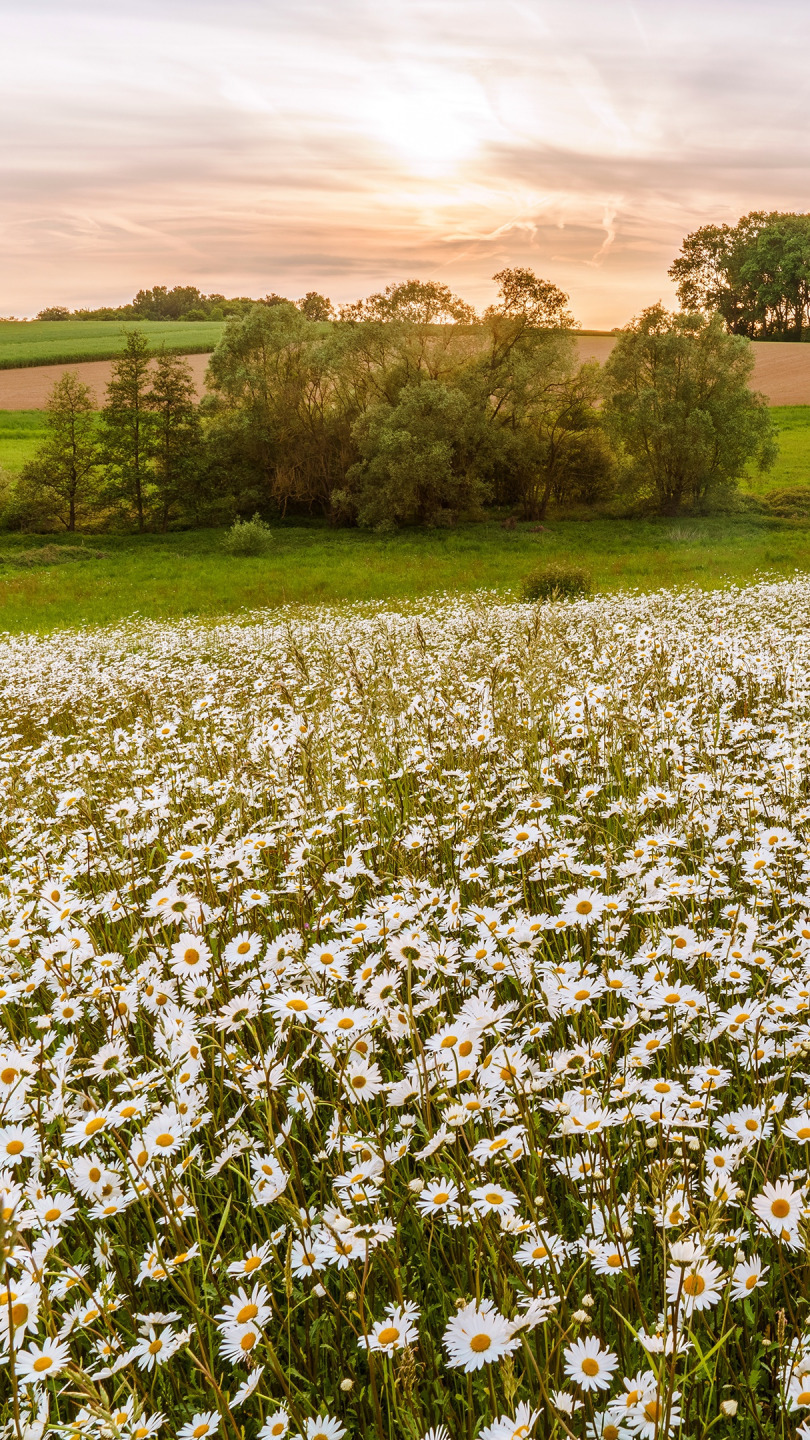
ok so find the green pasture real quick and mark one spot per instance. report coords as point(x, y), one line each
point(167, 576)
point(67, 342)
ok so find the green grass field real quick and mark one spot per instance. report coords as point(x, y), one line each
point(188, 574)
point(21, 432)
point(65, 342)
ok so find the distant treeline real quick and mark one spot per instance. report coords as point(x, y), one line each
point(399, 413)
point(186, 302)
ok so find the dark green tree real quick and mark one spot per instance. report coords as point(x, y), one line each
point(420, 459)
point(174, 442)
point(755, 274)
point(128, 425)
point(680, 408)
point(316, 307)
point(61, 481)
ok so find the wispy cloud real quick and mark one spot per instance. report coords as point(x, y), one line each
point(278, 145)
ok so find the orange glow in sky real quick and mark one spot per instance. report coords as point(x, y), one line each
point(249, 146)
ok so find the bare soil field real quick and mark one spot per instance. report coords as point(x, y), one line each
point(29, 388)
point(781, 371)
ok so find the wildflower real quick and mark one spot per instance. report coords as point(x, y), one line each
point(396, 1330)
point(478, 1335)
point(589, 1364)
point(41, 1362)
point(200, 1426)
point(779, 1207)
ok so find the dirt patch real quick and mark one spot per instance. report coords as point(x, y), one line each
point(29, 388)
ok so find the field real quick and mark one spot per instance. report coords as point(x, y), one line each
point(188, 574)
point(404, 1023)
point(51, 342)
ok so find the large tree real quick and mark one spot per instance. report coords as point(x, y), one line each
point(680, 407)
point(128, 424)
point(755, 274)
point(175, 437)
point(61, 480)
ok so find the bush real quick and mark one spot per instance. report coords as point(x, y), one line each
point(790, 503)
point(556, 581)
point(248, 537)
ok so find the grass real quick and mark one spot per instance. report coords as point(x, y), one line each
point(189, 574)
point(21, 433)
point(792, 467)
point(63, 342)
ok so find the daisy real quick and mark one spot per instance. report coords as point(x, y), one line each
point(779, 1207)
point(200, 1426)
point(275, 1426)
point(489, 1199)
point(589, 1365)
point(397, 1329)
point(244, 1309)
point(40, 1362)
point(747, 1276)
point(478, 1335)
point(518, 1428)
point(190, 956)
point(324, 1427)
point(438, 1195)
point(696, 1285)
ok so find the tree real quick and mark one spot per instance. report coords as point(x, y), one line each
point(416, 302)
point(755, 274)
point(316, 307)
point(420, 459)
point(523, 295)
point(174, 446)
point(680, 407)
point(54, 312)
point(128, 425)
point(64, 470)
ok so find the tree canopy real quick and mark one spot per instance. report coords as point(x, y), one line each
point(755, 274)
point(680, 408)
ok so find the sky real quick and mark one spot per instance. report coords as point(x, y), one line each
point(255, 146)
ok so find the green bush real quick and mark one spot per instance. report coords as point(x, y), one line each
point(789, 503)
point(557, 581)
point(248, 537)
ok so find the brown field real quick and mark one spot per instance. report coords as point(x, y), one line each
point(29, 388)
point(781, 371)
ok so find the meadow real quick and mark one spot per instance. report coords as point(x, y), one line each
point(108, 577)
point(404, 1023)
point(51, 342)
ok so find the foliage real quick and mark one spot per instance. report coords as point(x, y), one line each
point(248, 537)
point(556, 580)
point(680, 407)
point(175, 445)
point(523, 294)
point(128, 428)
point(789, 502)
point(61, 481)
point(755, 274)
point(420, 459)
point(404, 1023)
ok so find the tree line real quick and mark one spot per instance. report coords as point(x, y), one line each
point(406, 411)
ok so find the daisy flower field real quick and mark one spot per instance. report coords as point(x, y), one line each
point(405, 1023)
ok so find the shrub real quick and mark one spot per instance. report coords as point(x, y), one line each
point(556, 581)
point(789, 503)
point(248, 537)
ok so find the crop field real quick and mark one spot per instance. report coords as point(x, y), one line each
point(404, 1022)
point(44, 342)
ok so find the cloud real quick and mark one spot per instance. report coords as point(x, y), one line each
point(248, 147)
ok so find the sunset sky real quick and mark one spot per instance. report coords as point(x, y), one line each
point(288, 145)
